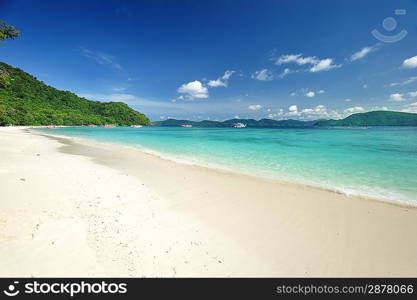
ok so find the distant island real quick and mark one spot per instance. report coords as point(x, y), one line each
point(24, 100)
point(229, 123)
point(373, 118)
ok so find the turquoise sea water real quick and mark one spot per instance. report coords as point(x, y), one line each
point(377, 161)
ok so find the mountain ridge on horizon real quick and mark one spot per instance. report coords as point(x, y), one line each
point(228, 123)
point(372, 118)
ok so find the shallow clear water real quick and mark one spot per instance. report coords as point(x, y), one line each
point(379, 161)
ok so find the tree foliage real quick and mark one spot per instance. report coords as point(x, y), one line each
point(8, 31)
point(24, 100)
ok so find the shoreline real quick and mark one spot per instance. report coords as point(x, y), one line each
point(408, 203)
point(99, 210)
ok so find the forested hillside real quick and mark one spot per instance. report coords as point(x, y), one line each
point(24, 100)
point(374, 118)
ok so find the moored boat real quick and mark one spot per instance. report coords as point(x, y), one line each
point(239, 125)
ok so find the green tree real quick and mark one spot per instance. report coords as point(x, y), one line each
point(8, 31)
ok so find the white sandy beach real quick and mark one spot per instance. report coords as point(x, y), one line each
point(74, 208)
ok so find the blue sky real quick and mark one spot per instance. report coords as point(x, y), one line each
point(221, 59)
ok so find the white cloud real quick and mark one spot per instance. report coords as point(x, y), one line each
point(228, 74)
point(362, 53)
point(101, 58)
point(293, 108)
point(315, 113)
point(365, 86)
point(407, 81)
point(410, 63)
point(255, 107)
point(296, 58)
point(348, 100)
point(411, 108)
point(217, 83)
point(163, 117)
point(318, 112)
point(279, 113)
point(221, 81)
point(310, 94)
point(286, 72)
point(318, 108)
point(292, 112)
point(193, 90)
point(354, 109)
point(317, 64)
point(412, 94)
point(324, 65)
point(397, 97)
point(322, 112)
point(263, 75)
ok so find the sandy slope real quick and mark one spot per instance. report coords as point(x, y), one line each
point(115, 211)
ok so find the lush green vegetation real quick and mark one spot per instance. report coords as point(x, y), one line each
point(229, 123)
point(374, 118)
point(24, 100)
point(8, 31)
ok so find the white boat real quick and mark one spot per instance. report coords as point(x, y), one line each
point(187, 125)
point(136, 126)
point(239, 125)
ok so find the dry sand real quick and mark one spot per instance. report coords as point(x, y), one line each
point(74, 208)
